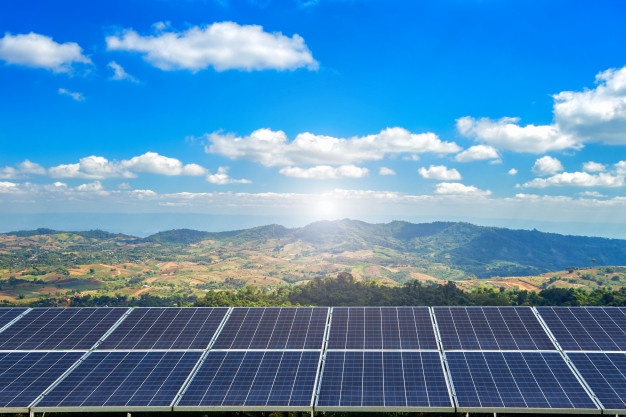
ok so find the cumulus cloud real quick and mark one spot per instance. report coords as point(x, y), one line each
point(577, 179)
point(439, 172)
point(547, 165)
point(119, 73)
point(512, 171)
point(478, 153)
point(325, 172)
point(72, 94)
point(98, 167)
point(39, 51)
point(24, 169)
point(8, 187)
point(386, 171)
point(455, 188)
point(223, 46)
point(272, 148)
point(593, 167)
point(221, 177)
point(620, 168)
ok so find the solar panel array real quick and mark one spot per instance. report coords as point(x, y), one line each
point(361, 359)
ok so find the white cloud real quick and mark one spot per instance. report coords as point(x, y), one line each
point(119, 73)
point(90, 167)
point(24, 169)
point(439, 172)
point(223, 46)
point(153, 163)
point(547, 165)
point(620, 168)
point(91, 187)
point(39, 51)
point(386, 171)
point(478, 153)
point(577, 179)
point(222, 178)
point(325, 172)
point(73, 94)
point(272, 148)
point(592, 194)
point(507, 134)
point(595, 115)
point(455, 188)
point(593, 167)
point(512, 171)
point(8, 187)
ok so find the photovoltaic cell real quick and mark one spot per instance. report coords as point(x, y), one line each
point(59, 328)
point(8, 314)
point(605, 373)
point(123, 379)
point(166, 328)
point(367, 379)
point(587, 328)
point(515, 380)
point(491, 328)
point(273, 328)
point(274, 379)
point(381, 328)
point(24, 376)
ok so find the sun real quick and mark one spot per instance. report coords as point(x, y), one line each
point(326, 209)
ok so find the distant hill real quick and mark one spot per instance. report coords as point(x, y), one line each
point(440, 246)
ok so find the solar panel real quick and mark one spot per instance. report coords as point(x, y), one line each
point(9, 314)
point(379, 381)
point(274, 380)
point(381, 328)
point(491, 328)
point(587, 328)
point(59, 328)
point(495, 381)
point(24, 376)
point(166, 328)
point(122, 380)
point(273, 328)
point(605, 374)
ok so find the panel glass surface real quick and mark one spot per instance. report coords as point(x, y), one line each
point(273, 328)
point(381, 328)
point(520, 380)
point(123, 379)
point(491, 328)
point(605, 373)
point(166, 328)
point(254, 379)
point(8, 314)
point(59, 328)
point(383, 379)
point(24, 376)
point(587, 328)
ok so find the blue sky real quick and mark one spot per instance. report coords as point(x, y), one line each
point(137, 115)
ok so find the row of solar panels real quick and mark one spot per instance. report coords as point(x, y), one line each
point(483, 359)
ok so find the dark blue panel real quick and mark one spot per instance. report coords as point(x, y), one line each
point(26, 375)
point(273, 328)
point(254, 379)
point(587, 328)
point(8, 314)
point(60, 328)
point(124, 379)
point(523, 380)
point(166, 328)
point(383, 379)
point(381, 328)
point(491, 328)
point(605, 373)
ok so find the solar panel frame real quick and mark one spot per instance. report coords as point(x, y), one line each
point(251, 328)
point(381, 328)
point(358, 386)
point(24, 376)
point(166, 328)
point(605, 375)
point(225, 381)
point(60, 328)
point(586, 328)
point(500, 381)
point(109, 381)
point(491, 328)
point(9, 315)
